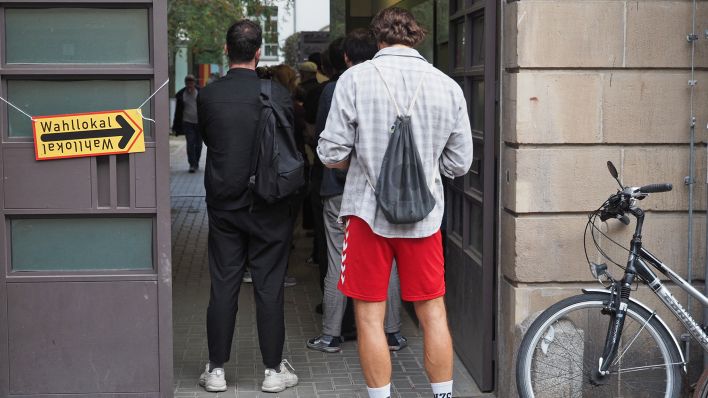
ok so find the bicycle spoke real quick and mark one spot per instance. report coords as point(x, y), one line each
point(632, 342)
point(573, 355)
point(638, 368)
point(555, 376)
point(572, 358)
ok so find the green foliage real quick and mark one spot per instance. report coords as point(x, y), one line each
point(290, 49)
point(337, 16)
point(202, 24)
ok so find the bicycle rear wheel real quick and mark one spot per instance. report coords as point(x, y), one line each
point(559, 355)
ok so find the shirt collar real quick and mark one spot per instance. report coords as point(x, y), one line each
point(241, 72)
point(399, 52)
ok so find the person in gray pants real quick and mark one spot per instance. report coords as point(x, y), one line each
point(357, 47)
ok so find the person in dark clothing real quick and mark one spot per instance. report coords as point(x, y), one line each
point(186, 121)
point(242, 230)
point(319, 242)
point(317, 59)
point(308, 79)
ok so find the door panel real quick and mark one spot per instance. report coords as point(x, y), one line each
point(471, 199)
point(61, 340)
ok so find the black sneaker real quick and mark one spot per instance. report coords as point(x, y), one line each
point(350, 335)
point(325, 343)
point(396, 341)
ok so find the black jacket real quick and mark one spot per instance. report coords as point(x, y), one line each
point(179, 111)
point(228, 111)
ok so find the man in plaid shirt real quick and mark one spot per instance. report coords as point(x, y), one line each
point(356, 136)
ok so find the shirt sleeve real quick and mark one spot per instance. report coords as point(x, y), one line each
point(337, 138)
point(456, 157)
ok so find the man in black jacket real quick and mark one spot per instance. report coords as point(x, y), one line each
point(187, 122)
point(240, 230)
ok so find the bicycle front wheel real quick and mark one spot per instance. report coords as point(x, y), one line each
point(560, 353)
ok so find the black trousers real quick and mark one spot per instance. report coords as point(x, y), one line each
point(194, 143)
point(261, 238)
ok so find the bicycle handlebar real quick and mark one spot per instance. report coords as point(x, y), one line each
point(652, 188)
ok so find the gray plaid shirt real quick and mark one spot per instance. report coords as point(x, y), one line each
point(361, 117)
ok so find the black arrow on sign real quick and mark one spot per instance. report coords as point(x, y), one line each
point(125, 131)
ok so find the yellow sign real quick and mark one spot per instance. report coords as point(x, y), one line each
point(88, 134)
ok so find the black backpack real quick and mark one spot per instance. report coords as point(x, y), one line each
point(277, 166)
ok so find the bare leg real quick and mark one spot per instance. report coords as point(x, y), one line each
point(437, 343)
point(373, 347)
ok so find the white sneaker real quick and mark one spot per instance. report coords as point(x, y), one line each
point(213, 381)
point(277, 382)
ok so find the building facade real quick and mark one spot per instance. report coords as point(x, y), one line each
point(555, 89)
point(288, 18)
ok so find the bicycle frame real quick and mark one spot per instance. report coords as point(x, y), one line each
point(639, 263)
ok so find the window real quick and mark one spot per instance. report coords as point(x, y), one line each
point(77, 36)
point(40, 244)
point(269, 20)
point(45, 97)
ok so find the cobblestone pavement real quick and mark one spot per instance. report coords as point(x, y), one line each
point(321, 375)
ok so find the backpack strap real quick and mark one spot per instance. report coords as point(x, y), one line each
point(415, 97)
point(390, 94)
point(265, 95)
point(388, 89)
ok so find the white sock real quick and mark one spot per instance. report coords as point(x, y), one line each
point(381, 392)
point(442, 390)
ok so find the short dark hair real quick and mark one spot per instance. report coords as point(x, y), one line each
point(243, 39)
point(316, 58)
point(359, 45)
point(335, 52)
point(396, 25)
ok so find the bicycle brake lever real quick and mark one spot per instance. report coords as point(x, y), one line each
point(623, 219)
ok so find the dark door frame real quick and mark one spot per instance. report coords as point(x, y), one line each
point(478, 186)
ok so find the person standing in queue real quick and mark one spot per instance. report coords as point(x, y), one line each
point(357, 47)
point(364, 109)
point(242, 230)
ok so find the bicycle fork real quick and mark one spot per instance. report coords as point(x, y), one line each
point(619, 302)
point(617, 309)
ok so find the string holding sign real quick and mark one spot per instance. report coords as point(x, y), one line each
point(139, 107)
point(89, 134)
point(18, 109)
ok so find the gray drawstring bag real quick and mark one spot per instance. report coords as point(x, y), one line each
point(402, 191)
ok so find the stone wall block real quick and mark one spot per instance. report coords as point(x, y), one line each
point(660, 164)
point(549, 248)
point(656, 34)
point(570, 34)
point(556, 179)
point(544, 248)
point(510, 35)
point(652, 106)
point(509, 88)
point(557, 108)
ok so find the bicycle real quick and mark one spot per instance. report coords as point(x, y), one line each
point(605, 343)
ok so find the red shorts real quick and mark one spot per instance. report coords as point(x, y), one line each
point(367, 260)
